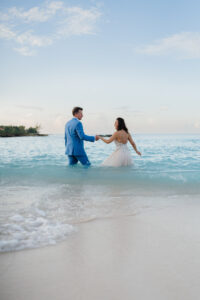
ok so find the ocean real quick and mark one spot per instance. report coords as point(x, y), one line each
point(42, 199)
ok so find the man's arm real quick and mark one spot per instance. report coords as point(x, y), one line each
point(65, 136)
point(82, 135)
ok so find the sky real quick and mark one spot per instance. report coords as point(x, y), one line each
point(139, 60)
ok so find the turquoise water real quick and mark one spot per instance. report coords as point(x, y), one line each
point(42, 199)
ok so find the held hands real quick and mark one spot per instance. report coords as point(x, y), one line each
point(97, 137)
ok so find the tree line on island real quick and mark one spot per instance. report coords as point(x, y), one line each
point(11, 131)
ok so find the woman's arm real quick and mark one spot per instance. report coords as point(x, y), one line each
point(110, 140)
point(133, 144)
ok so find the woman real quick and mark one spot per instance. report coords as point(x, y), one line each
point(121, 156)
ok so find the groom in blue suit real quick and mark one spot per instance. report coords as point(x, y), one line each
point(74, 137)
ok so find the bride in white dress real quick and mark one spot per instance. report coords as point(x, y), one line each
point(121, 156)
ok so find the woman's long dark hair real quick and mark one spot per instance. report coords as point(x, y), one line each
point(121, 125)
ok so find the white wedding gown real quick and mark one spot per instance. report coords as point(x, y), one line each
point(120, 157)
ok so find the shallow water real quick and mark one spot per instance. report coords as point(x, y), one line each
point(42, 199)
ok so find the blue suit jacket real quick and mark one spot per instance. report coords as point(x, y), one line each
point(74, 137)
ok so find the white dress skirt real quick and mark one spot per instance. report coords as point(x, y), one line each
point(120, 157)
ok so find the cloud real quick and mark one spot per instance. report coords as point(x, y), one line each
point(79, 21)
point(33, 40)
point(123, 107)
point(197, 124)
point(20, 26)
point(164, 108)
point(34, 14)
point(128, 110)
point(151, 121)
point(185, 45)
point(59, 122)
point(30, 107)
point(6, 32)
point(27, 40)
point(25, 51)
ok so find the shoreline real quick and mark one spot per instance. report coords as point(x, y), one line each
point(153, 255)
point(24, 135)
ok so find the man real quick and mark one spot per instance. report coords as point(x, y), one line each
point(74, 137)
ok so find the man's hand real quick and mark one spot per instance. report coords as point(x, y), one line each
point(96, 138)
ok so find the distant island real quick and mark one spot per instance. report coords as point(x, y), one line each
point(12, 131)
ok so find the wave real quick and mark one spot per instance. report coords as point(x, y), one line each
point(101, 176)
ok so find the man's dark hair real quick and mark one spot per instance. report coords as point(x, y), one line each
point(75, 110)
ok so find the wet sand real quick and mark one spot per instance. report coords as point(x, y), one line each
point(154, 256)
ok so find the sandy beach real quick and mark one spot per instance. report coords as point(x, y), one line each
point(154, 255)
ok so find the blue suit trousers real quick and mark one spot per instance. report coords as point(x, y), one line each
point(73, 160)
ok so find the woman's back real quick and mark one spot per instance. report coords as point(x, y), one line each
point(122, 136)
